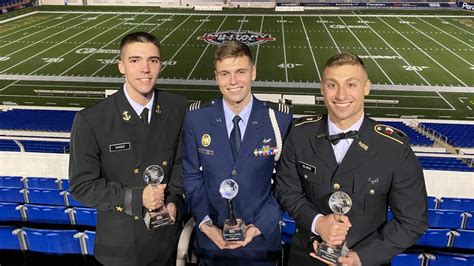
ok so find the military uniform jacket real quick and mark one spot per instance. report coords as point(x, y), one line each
point(379, 170)
point(110, 149)
point(207, 161)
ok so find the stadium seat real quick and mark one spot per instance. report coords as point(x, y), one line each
point(72, 202)
point(46, 196)
point(470, 221)
point(449, 259)
point(435, 238)
point(47, 214)
point(9, 240)
point(85, 216)
point(9, 212)
point(42, 183)
point(462, 204)
point(464, 239)
point(90, 240)
point(432, 202)
point(11, 182)
point(288, 228)
point(445, 219)
point(65, 184)
point(405, 259)
point(52, 241)
point(12, 195)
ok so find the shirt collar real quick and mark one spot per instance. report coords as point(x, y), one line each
point(244, 114)
point(333, 129)
point(136, 106)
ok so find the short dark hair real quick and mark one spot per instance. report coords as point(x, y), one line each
point(139, 36)
point(344, 59)
point(232, 49)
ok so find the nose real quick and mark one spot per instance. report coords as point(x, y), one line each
point(341, 93)
point(145, 67)
point(233, 79)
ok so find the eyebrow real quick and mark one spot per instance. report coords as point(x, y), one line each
point(138, 57)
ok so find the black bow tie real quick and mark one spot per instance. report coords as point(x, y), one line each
point(353, 134)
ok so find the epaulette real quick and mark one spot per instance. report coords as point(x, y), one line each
point(199, 105)
point(307, 119)
point(281, 107)
point(390, 132)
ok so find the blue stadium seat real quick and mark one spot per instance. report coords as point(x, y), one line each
point(288, 228)
point(90, 240)
point(85, 216)
point(9, 212)
point(12, 195)
point(42, 182)
point(462, 204)
point(405, 259)
point(470, 221)
point(72, 202)
point(46, 196)
point(52, 241)
point(65, 184)
point(45, 146)
point(464, 239)
point(448, 259)
point(9, 239)
point(47, 214)
point(435, 238)
point(11, 181)
point(37, 120)
point(445, 219)
point(9, 145)
point(432, 202)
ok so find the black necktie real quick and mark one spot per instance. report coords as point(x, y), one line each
point(353, 134)
point(144, 116)
point(235, 139)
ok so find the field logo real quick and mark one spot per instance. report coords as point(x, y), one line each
point(248, 37)
point(4, 58)
point(467, 6)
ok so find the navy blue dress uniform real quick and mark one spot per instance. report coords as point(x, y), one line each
point(379, 170)
point(110, 149)
point(208, 160)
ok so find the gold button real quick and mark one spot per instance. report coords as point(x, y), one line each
point(136, 218)
point(305, 176)
point(372, 192)
point(336, 186)
point(165, 163)
point(234, 172)
point(136, 171)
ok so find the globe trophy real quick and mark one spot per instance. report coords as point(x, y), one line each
point(234, 229)
point(154, 175)
point(340, 203)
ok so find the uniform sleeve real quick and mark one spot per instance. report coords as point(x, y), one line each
point(407, 200)
point(289, 188)
point(87, 184)
point(193, 179)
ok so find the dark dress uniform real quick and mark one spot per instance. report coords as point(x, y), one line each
point(208, 160)
point(110, 149)
point(379, 170)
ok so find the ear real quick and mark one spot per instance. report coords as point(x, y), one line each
point(368, 84)
point(121, 67)
point(254, 72)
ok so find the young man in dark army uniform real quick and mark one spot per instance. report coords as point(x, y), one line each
point(349, 152)
point(113, 143)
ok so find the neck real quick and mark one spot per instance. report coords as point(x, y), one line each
point(142, 99)
point(344, 124)
point(237, 107)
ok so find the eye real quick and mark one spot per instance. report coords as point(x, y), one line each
point(330, 85)
point(155, 61)
point(133, 61)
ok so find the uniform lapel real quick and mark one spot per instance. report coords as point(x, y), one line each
point(322, 147)
point(359, 152)
point(219, 131)
point(253, 134)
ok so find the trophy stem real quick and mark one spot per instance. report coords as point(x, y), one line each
point(230, 209)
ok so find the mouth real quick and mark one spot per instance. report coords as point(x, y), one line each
point(237, 89)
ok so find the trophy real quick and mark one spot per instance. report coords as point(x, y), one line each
point(154, 175)
point(340, 203)
point(234, 229)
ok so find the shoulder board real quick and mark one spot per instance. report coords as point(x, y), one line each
point(200, 104)
point(307, 119)
point(391, 133)
point(281, 107)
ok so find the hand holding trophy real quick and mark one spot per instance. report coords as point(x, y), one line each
point(340, 203)
point(234, 229)
point(154, 175)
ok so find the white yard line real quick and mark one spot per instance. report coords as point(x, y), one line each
point(330, 35)
point(205, 49)
point(393, 49)
point(111, 41)
point(447, 33)
point(258, 46)
point(366, 50)
point(284, 48)
point(310, 48)
point(181, 47)
point(421, 50)
point(451, 24)
point(452, 107)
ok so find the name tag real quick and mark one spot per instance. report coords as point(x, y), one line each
point(205, 151)
point(308, 167)
point(119, 147)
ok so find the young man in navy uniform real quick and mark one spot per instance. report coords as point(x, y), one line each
point(235, 137)
point(113, 142)
point(347, 151)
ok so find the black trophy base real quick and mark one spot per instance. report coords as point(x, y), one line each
point(234, 232)
point(331, 254)
point(159, 219)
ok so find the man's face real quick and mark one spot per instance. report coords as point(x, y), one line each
point(344, 89)
point(234, 76)
point(141, 65)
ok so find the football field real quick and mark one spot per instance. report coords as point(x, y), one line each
point(420, 65)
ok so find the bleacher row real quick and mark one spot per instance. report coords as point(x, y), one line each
point(34, 146)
